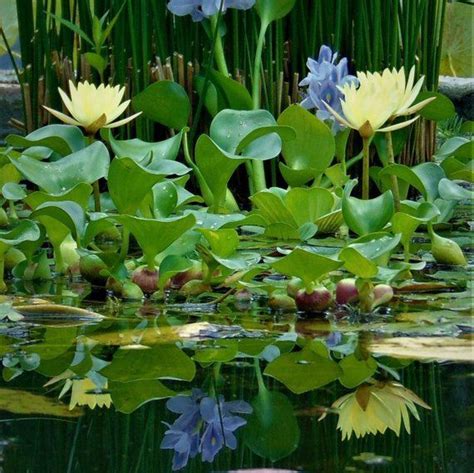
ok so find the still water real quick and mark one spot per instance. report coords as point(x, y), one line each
point(148, 388)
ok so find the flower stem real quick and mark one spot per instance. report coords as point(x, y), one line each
point(219, 55)
point(394, 180)
point(3, 286)
point(259, 182)
point(97, 206)
point(365, 168)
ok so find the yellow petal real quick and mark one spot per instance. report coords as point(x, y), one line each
point(64, 118)
point(123, 121)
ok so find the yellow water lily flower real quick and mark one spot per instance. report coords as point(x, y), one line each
point(378, 99)
point(375, 408)
point(84, 392)
point(93, 107)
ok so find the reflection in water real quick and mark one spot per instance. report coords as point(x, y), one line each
point(205, 426)
point(376, 407)
point(239, 400)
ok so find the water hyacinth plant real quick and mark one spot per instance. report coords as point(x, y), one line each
point(200, 9)
point(323, 84)
point(205, 426)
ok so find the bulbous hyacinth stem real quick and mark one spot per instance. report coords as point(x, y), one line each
point(219, 55)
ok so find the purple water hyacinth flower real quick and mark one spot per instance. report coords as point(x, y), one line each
point(200, 9)
point(199, 413)
point(325, 77)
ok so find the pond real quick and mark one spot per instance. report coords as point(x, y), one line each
point(116, 365)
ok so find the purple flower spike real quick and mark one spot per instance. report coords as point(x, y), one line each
point(200, 9)
point(199, 413)
point(323, 82)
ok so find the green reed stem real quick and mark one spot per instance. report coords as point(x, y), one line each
point(393, 179)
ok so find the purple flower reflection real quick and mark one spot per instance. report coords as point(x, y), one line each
point(201, 414)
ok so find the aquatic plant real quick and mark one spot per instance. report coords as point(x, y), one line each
point(376, 407)
point(205, 425)
point(200, 9)
point(324, 82)
point(93, 107)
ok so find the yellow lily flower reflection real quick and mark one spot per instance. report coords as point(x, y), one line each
point(375, 408)
point(93, 107)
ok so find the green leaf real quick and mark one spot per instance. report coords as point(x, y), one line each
point(307, 205)
point(87, 165)
point(165, 198)
point(231, 130)
point(271, 206)
point(234, 94)
point(303, 371)
point(96, 61)
point(441, 108)
point(154, 235)
point(449, 190)
point(62, 139)
point(362, 259)
point(271, 10)
point(172, 265)
point(223, 242)
point(306, 265)
point(213, 351)
point(129, 183)
point(13, 191)
point(128, 397)
point(406, 224)
point(73, 27)
point(63, 214)
point(139, 150)
point(424, 177)
point(165, 102)
point(160, 361)
point(367, 216)
point(355, 371)
point(314, 146)
point(26, 230)
point(79, 194)
point(272, 430)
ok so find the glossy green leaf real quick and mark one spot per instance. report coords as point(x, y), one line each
point(165, 102)
point(129, 183)
point(138, 149)
point(220, 351)
point(231, 130)
point(306, 265)
point(26, 230)
point(271, 10)
point(449, 190)
point(367, 216)
point(154, 235)
point(165, 198)
point(441, 108)
point(308, 204)
point(314, 146)
point(160, 361)
point(406, 224)
point(223, 242)
point(424, 177)
point(355, 371)
point(62, 139)
point(56, 215)
point(234, 95)
point(303, 371)
point(13, 191)
point(272, 430)
point(87, 165)
point(79, 194)
point(361, 259)
point(128, 397)
point(170, 266)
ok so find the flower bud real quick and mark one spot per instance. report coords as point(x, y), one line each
point(446, 251)
point(93, 269)
point(281, 302)
point(383, 293)
point(146, 279)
